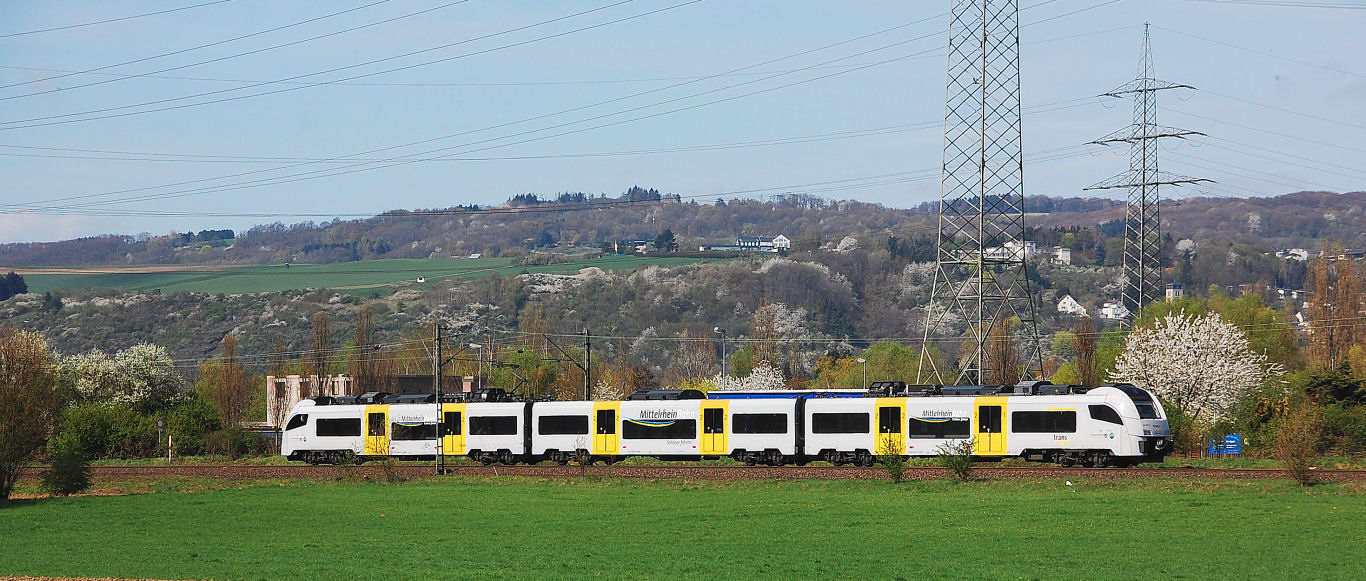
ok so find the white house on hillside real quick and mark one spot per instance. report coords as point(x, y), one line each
point(764, 243)
point(1062, 255)
point(1069, 306)
point(1114, 311)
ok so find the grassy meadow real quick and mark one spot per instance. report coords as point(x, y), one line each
point(363, 277)
point(474, 528)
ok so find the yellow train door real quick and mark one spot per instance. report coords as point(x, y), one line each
point(891, 427)
point(453, 429)
point(377, 430)
point(990, 438)
point(606, 439)
point(714, 441)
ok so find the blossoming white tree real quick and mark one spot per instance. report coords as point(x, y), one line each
point(762, 378)
point(1199, 364)
point(142, 376)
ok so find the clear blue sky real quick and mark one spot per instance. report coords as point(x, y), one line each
point(703, 99)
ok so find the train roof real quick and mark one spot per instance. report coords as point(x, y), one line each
point(491, 394)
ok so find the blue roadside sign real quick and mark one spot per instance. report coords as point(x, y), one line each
point(1229, 444)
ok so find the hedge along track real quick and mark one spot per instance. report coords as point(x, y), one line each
point(377, 472)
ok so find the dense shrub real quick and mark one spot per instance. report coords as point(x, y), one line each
point(1297, 445)
point(235, 442)
point(106, 431)
point(1345, 428)
point(100, 431)
point(68, 473)
point(190, 422)
point(1186, 431)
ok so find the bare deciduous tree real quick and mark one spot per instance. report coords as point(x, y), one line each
point(1335, 305)
point(316, 361)
point(277, 359)
point(693, 358)
point(233, 387)
point(1084, 348)
point(1003, 355)
point(29, 401)
point(364, 360)
point(277, 364)
point(1199, 364)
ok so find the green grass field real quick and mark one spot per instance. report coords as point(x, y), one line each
point(365, 277)
point(619, 529)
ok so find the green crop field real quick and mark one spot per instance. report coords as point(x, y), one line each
point(364, 277)
point(472, 528)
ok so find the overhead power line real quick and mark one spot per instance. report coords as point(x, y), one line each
point(94, 114)
point(233, 56)
point(314, 175)
point(333, 172)
point(110, 20)
point(194, 48)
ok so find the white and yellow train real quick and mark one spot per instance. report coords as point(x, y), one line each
point(1110, 425)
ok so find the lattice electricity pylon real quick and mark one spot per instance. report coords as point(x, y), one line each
point(1142, 260)
point(981, 275)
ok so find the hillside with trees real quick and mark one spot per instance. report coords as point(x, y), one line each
point(529, 223)
point(855, 283)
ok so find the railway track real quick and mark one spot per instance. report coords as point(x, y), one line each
point(248, 472)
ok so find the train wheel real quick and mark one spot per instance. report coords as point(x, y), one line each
point(1100, 460)
point(777, 459)
point(562, 459)
point(486, 459)
point(865, 459)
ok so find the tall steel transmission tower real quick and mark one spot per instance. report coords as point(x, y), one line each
point(981, 277)
point(1142, 261)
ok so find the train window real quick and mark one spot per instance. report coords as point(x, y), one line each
point(713, 421)
point(839, 423)
point(759, 423)
point(941, 428)
point(377, 424)
point(607, 421)
point(1062, 422)
point(656, 430)
point(1146, 408)
point(339, 427)
point(298, 421)
point(450, 426)
point(493, 425)
point(414, 431)
point(889, 420)
point(558, 425)
point(1105, 413)
point(989, 419)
